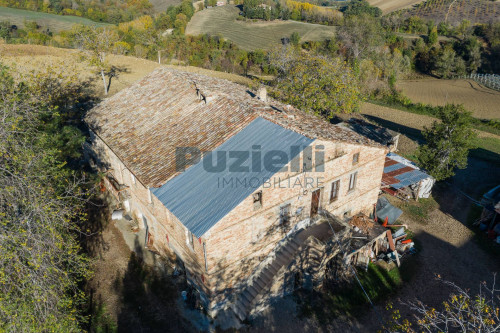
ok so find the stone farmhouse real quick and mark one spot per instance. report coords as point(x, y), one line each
point(238, 186)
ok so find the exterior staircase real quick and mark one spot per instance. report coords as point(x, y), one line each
point(264, 278)
point(283, 255)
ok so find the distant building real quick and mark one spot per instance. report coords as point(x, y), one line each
point(221, 3)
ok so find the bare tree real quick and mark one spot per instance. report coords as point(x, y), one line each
point(461, 312)
point(96, 44)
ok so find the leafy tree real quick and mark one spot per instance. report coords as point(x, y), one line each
point(41, 200)
point(295, 38)
point(432, 38)
point(316, 84)
point(360, 7)
point(448, 63)
point(470, 50)
point(447, 142)
point(361, 36)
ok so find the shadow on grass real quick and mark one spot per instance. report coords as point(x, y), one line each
point(412, 133)
point(348, 299)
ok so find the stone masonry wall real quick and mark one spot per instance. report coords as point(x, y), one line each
point(243, 238)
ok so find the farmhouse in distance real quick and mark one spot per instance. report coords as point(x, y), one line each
point(239, 229)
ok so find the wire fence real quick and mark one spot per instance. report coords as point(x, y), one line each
point(489, 80)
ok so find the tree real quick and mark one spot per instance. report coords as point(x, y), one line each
point(41, 199)
point(432, 38)
point(448, 63)
point(295, 38)
point(96, 44)
point(447, 142)
point(316, 84)
point(361, 35)
point(461, 312)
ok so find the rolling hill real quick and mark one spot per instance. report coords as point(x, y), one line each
point(54, 22)
point(252, 35)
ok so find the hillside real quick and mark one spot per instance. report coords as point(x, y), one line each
point(482, 101)
point(53, 22)
point(252, 35)
point(476, 11)
point(25, 58)
point(162, 5)
point(388, 6)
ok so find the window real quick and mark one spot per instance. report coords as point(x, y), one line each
point(257, 200)
point(334, 194)
point(285, 214)
point(189, 239)
point(355, 159)
point(352, 181)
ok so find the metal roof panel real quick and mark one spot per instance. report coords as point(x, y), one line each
point(199, 199)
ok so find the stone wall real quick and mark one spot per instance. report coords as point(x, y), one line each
point(228, 253)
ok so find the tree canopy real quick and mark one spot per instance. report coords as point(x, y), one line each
point(317, 84)
point(447, 142)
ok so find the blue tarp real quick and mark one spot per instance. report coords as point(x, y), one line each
point(199, 198)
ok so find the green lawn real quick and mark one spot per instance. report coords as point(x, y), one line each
point(250, 35)
point(54, 22)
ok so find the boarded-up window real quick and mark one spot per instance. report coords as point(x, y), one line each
point(285, 214)
point(334, 194)
point(257, 200)
point(352, 180)
point(355, 158)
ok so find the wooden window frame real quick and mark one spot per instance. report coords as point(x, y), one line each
point(336, 185)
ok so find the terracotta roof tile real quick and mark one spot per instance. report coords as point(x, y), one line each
point(144, 123)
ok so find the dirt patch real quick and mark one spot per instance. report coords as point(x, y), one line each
point(128, 295)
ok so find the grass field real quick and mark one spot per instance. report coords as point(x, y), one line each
point(162, 5)
point(54, 22)
point(25, 58)
point(483, 102)
point(411, 125)
point(388, 6)
point(252, 35)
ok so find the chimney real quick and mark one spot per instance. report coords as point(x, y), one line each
point(262, 94)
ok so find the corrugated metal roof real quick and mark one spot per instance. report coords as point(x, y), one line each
point(399, 175)
point(199, 199)
point(409, 178)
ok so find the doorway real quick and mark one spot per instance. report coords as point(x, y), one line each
point(315, 202)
